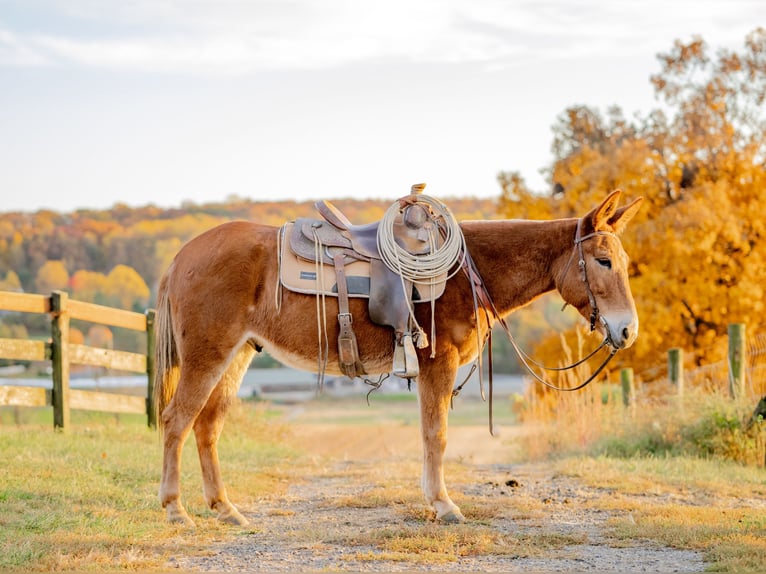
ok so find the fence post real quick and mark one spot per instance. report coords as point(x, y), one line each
point(151, 415)
point(737, 352)
point(628, 390)
point(60, 359)
point(676, 369)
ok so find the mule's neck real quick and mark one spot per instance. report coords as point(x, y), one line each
point(519, 260)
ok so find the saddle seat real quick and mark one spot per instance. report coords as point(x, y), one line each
point(337, 242)
point(412, 233)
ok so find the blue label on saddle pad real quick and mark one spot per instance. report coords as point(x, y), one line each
point(308, 275)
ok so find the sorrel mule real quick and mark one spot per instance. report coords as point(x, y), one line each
point(217, 304)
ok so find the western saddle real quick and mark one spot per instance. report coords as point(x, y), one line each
point(335, 241)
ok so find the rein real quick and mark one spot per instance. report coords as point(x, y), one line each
point(482, 296)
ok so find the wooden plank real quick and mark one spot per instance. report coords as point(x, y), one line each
point(24, 350)
point(106, 315)
point(109, 358)
point(24, 302)
point(24, 396)
point(106, 402)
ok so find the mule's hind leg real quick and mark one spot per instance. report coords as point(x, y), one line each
point(194, 387)
point(207, 430)
point(434, 393)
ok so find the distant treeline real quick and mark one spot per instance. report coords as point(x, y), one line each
point(105, 256)
point(116, 256)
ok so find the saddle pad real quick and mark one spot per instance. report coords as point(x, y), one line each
point(300, 275)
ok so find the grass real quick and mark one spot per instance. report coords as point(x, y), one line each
point(685, 472)
point(403, 408)
point(86, 500)
point(435, 544)
point(723, 516)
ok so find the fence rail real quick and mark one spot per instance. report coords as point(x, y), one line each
point(61, 352)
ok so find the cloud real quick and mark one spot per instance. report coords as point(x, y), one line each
point(245, 37)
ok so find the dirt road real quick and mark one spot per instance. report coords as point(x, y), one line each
point(363, 493)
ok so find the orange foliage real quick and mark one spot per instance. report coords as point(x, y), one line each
point(698, 247)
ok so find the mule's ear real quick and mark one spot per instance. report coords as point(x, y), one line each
point(622, 216)
point(603, 213)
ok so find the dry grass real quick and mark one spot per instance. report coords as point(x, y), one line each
point(87, 500)
point(709, 505)
point(435, 544)
point(594, 421)
point(685, 472)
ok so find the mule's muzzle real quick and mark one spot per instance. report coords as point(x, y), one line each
point(620, 333)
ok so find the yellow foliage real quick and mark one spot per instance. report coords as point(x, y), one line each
point(125, 288)
point(53, 275)
point(698, 257)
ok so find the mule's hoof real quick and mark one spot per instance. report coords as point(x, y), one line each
point(234, 518)
point(230, 515)
point(181, 518)
point(453, 516)
point(176, 513)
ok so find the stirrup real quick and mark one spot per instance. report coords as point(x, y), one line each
point(405, 358)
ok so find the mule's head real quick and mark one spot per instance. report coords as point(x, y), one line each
point(595, 275)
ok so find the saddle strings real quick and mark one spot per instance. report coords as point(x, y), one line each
point(278, 287)
point(423, 269)
point(321, 307)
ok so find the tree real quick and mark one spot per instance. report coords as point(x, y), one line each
point(51, 276)
point(88, 286)
point(126, 289)
point(698, 251)
point(11, 282)
point(100, 336)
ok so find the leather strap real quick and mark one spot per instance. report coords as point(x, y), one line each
point(332, 214)
point(348, 352)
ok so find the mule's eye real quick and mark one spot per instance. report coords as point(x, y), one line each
point(604, 262)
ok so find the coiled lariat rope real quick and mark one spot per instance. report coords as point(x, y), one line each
point(426, 268)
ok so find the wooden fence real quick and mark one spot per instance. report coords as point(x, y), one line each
point(62, 353)
point(743, 362)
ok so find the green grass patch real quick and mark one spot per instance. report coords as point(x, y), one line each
point(400, 408)
point(87, 499)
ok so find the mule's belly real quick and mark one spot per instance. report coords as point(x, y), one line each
point(304, 363)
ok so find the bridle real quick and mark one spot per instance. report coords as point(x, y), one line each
point(482, 297)
point(595, 315)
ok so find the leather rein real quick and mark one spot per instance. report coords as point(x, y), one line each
point(482, 298)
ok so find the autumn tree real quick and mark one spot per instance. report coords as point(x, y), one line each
point(88, 286)
point(51, 276)
point(11, 282)
point(126, 289)
point(698, 257)
point(100, 336)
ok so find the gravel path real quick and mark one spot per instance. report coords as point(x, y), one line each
point(307, 530)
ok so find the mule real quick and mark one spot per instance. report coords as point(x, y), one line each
point(217, 305)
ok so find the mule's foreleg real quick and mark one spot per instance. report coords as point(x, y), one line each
point(207, 430)
point(434, 392)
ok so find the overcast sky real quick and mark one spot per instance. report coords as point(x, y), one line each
point(161, 102)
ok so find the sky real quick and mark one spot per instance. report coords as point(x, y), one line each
point(162, 102)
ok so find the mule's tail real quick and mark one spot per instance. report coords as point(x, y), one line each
point(166, 370)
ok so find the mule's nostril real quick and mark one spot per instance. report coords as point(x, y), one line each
point(625, 334)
